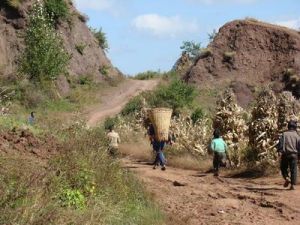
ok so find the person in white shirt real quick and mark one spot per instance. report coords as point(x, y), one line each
point(114, 140)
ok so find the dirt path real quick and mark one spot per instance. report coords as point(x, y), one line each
point(193, 198)
point(113, 101)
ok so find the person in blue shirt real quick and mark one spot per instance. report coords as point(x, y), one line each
point(219, 148)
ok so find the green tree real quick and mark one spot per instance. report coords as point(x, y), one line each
point(44, 58)
point(176, 95)
point(57, 9)
point(192, 48)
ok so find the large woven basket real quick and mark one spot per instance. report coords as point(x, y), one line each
point(160, 118)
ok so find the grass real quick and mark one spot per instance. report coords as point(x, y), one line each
point(81, 185)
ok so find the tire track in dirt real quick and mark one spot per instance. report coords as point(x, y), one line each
point(193, 198)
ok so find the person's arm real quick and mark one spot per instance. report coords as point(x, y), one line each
point(280, 144)
point(212, 145)
point(119, 139)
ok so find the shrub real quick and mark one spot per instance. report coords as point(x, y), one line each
point(134, 105)
point(228, 56)
point(101, 38)
point(104, 70)
point(85, 80)
point(175, 95)
point(110, 122)
point(83, 17)
point(57, 9)
point(192, 48)
point(147, 75)
point(80, 48)
point(197, 115)
point(44, 58)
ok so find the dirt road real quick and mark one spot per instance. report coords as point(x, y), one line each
point(193, 198)
point(113, 101)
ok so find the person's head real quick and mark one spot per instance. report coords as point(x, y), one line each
point(217, 133)
point(292, 125)
point(32, 114)
point(111, 128)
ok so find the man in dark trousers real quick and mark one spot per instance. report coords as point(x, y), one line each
point(289, 151)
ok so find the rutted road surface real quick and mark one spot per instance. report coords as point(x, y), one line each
point(113, 102)
point(192, 198)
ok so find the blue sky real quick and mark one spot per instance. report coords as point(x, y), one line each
point(147, 34)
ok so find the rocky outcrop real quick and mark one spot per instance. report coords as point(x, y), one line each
point(246, 54)
point(74, 32)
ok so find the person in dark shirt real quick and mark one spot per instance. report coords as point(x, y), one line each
point(289, 151)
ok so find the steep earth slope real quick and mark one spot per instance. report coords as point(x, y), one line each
point(74, 32)
point(248, 53)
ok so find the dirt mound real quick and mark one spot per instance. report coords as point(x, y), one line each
point(22, 141)
point(74, 32)
point(251, 54)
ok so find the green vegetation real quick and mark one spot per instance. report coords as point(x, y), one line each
point(110, 122)
point(176, 95)
point(82, 185)
point(104, 70)
point(43, 57)
point(80, 48)
point(148, 75)
point(212, 35)
point(101, 38)
point(197, 115)
point(57, 9)
point(134, 105)
point(192, 48)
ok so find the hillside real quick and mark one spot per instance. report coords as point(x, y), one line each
point(87, 58)
point(246, 54)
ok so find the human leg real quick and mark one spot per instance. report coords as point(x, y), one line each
point(284, 164)
point(292, 160)
point(216, 163)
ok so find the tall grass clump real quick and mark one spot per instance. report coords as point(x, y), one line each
point(148, 75)
point(44, 58)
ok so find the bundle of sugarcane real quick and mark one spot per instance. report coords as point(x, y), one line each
point(288, 109)
point(229, 119)
point(263, 135)
point(189, 136)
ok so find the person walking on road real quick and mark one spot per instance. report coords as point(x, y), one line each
point(289, 151)
point(158, 147)
point(219, 148)
point(114, 141)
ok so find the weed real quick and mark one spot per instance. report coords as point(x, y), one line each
point(197, 115)
point(80, 48)
point(72, 198)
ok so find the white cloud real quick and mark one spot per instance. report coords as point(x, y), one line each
point(294, 24)
point(222, 1)
point(162, 26)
